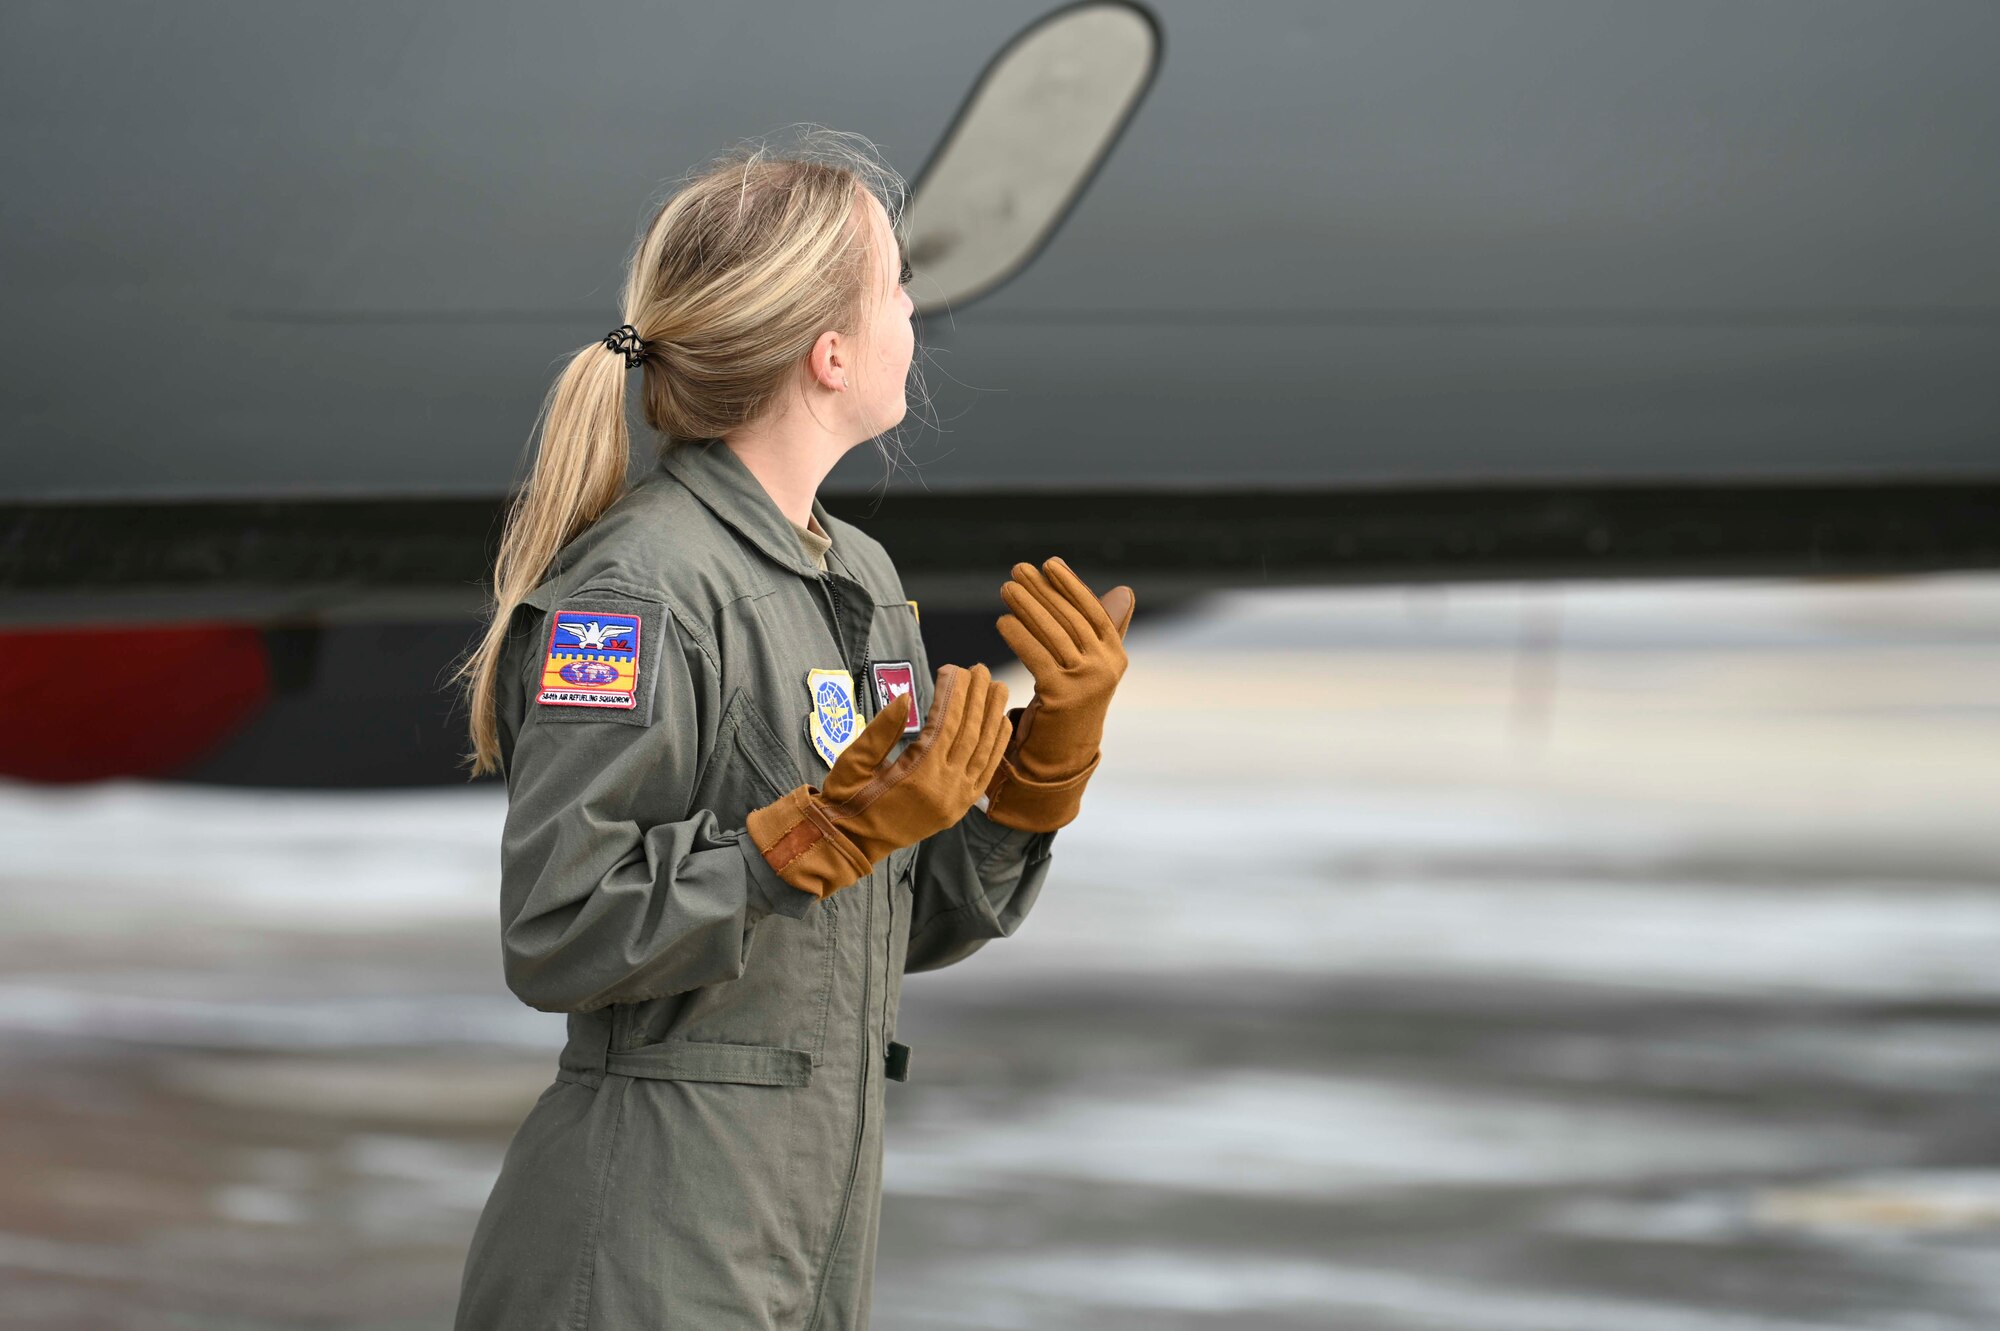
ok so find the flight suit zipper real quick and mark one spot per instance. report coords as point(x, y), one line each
point(867, 1008)
point(840, 637)
point(860, 1110)
point(867, 683)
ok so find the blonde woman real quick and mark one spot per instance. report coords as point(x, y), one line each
point(740, 807)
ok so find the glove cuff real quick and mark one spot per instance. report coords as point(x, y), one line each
point(1015, 800)
point(799, 841)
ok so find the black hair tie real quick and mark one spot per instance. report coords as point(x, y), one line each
point(625, 338)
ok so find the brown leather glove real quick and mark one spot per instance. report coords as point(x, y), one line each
point(821, 839)
point(1074, 645)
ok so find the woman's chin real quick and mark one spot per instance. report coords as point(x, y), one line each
point(892, 420)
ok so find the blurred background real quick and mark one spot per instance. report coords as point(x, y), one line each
point(1502, 956)
point(1544, 874)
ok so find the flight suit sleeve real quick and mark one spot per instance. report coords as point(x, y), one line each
point(612, 889)
point(971, 882)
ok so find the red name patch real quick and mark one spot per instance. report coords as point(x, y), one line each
point(893, 678)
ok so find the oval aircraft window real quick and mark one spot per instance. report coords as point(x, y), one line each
point(1024, 145)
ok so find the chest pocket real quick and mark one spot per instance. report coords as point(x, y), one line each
point(767, 754)
point(899, 637)
point(902, 636)
point(783, 998)
point(750, 766)
point(764, 771)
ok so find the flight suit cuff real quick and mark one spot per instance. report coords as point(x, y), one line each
point(993, 840)
point(768, 893)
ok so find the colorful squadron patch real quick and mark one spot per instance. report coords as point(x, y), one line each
point(593, 660)
point(831, 723)
point(892, 679)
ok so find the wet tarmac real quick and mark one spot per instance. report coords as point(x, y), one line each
point(1582, 958)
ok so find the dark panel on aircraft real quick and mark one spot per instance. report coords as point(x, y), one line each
point(428, 558)
point(353, 706)
point(366, 605)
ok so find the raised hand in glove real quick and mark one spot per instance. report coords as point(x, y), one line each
point(1074, 646)
point(821, 839)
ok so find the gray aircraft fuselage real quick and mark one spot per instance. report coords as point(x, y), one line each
point(1378, 289)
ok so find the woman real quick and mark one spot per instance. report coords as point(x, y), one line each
point(739, 806)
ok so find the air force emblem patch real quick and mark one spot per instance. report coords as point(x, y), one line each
point(892, 680)
point(831, 722)
point(593, 660)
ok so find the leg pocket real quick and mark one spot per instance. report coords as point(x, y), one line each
point(707, 1208)
point(730, 1182)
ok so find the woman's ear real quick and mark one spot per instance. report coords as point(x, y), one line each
point(826, 363)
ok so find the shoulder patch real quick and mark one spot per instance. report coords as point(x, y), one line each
point(592, 660)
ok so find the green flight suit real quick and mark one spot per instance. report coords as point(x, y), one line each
point(709, 1155)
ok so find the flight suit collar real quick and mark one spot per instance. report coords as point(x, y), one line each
point(711, 469)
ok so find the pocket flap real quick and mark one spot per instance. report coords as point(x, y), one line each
point(764, 749)
point(701, 1060)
